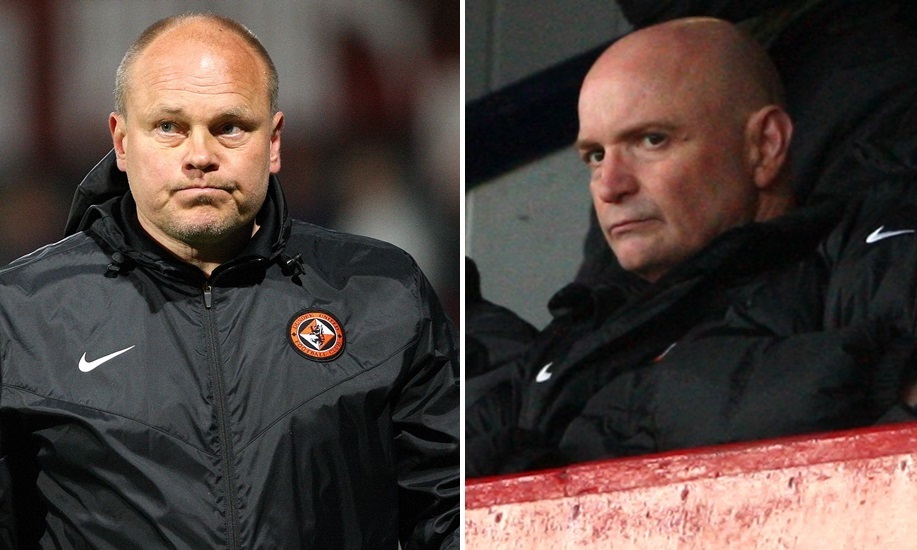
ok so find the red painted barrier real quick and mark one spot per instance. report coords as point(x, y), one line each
point(852, 490)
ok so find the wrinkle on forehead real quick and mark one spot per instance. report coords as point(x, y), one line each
point(233, 96)
point(199, 56)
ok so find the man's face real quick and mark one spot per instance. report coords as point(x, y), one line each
point(668, 166)
point(198, 140)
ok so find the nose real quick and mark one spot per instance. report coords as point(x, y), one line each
point(201, 155)
point(613, 179)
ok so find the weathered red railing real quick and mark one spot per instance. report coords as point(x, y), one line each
point(855, 489)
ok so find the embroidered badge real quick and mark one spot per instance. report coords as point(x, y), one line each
point(317, 335)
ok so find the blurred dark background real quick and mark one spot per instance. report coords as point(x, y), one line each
point(370, 90)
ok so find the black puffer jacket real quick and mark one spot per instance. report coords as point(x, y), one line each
point(802, 324)
point(304, 396)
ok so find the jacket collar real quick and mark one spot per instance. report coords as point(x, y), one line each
point(103, 183)
point(625, 310)
point(103, 202)
point(736, 255)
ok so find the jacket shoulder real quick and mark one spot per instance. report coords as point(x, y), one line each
point(70, 251)
point(346, 253)
point(885, 210)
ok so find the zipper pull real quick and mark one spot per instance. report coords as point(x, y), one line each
point(208, 299)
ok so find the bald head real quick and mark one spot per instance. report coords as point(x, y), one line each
point(705, 57)
point(206, 28)
point(683, 129)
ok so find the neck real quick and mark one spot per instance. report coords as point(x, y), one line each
point(774, 206)
point(204, 255)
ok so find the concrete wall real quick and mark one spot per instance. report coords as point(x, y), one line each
point(525, 229)
point(854, 490)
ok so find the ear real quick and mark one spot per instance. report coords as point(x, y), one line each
point(276, 128)
point(767, 134)
point(118, 133)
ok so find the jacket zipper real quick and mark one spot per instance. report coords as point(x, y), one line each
point(216, 374)
point(208, 298)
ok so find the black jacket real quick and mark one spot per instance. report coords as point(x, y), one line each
point(797, 325)
point(304, 396)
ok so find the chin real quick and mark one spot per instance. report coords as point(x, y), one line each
point(209, 230)
point(629, 258)
point(639, 266)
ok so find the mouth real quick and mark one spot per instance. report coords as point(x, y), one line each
point(627, 226)
point(201, 195)
point(203, 187)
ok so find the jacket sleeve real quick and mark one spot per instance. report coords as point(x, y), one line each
point(873, 258)
point(809, 353)
point(726, 385)
point(426, 418)
point(7, 509)
point(489, 421)
point(7, 517)
point(765, 386)
point(850, 363)
point(828, 343)
point(840, 363)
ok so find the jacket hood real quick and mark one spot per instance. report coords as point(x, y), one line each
point(104, 182)
point(742, 252)
point(104, 195)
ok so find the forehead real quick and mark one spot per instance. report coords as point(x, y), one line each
point(614, 102)
point(220, 66)
point(623, 96)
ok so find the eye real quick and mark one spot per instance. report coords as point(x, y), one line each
point(167, 127)
point(593, 157)
point(229, 129)
point(654, 140)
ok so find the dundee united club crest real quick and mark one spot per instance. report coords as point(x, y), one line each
point(317, 335)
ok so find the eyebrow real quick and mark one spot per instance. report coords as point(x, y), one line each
point(231, 113)
point(581, 144)
point(166, 110)
point(630, 132)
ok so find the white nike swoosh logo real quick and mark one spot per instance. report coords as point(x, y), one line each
point(544, 375)
point(878, 235)
point(87, 366)
point(662, 355)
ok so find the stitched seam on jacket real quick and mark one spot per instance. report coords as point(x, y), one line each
point(98, 409)
point(287, 413)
